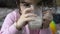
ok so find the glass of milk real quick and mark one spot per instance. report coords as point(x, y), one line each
point(38, 20)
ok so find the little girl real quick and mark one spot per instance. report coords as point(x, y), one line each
point(17, 21)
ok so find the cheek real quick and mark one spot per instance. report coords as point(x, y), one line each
point(22, 8)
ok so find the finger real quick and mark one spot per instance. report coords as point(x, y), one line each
point(30, 19)
point(28, 10)
point(30, 15)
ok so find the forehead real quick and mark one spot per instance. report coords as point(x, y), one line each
point(31, 1)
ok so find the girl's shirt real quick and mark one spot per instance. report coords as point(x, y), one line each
point(9, 28)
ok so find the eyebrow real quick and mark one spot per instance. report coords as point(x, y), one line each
point(21, 1)
point(38, 3)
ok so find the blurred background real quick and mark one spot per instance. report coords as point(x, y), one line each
point(7, 6)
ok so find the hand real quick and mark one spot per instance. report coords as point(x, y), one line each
point(47, 19)
point(25, 18)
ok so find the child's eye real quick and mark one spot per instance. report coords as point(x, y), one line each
point(26, 4)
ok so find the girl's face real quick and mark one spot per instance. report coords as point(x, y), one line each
point(35, 4)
